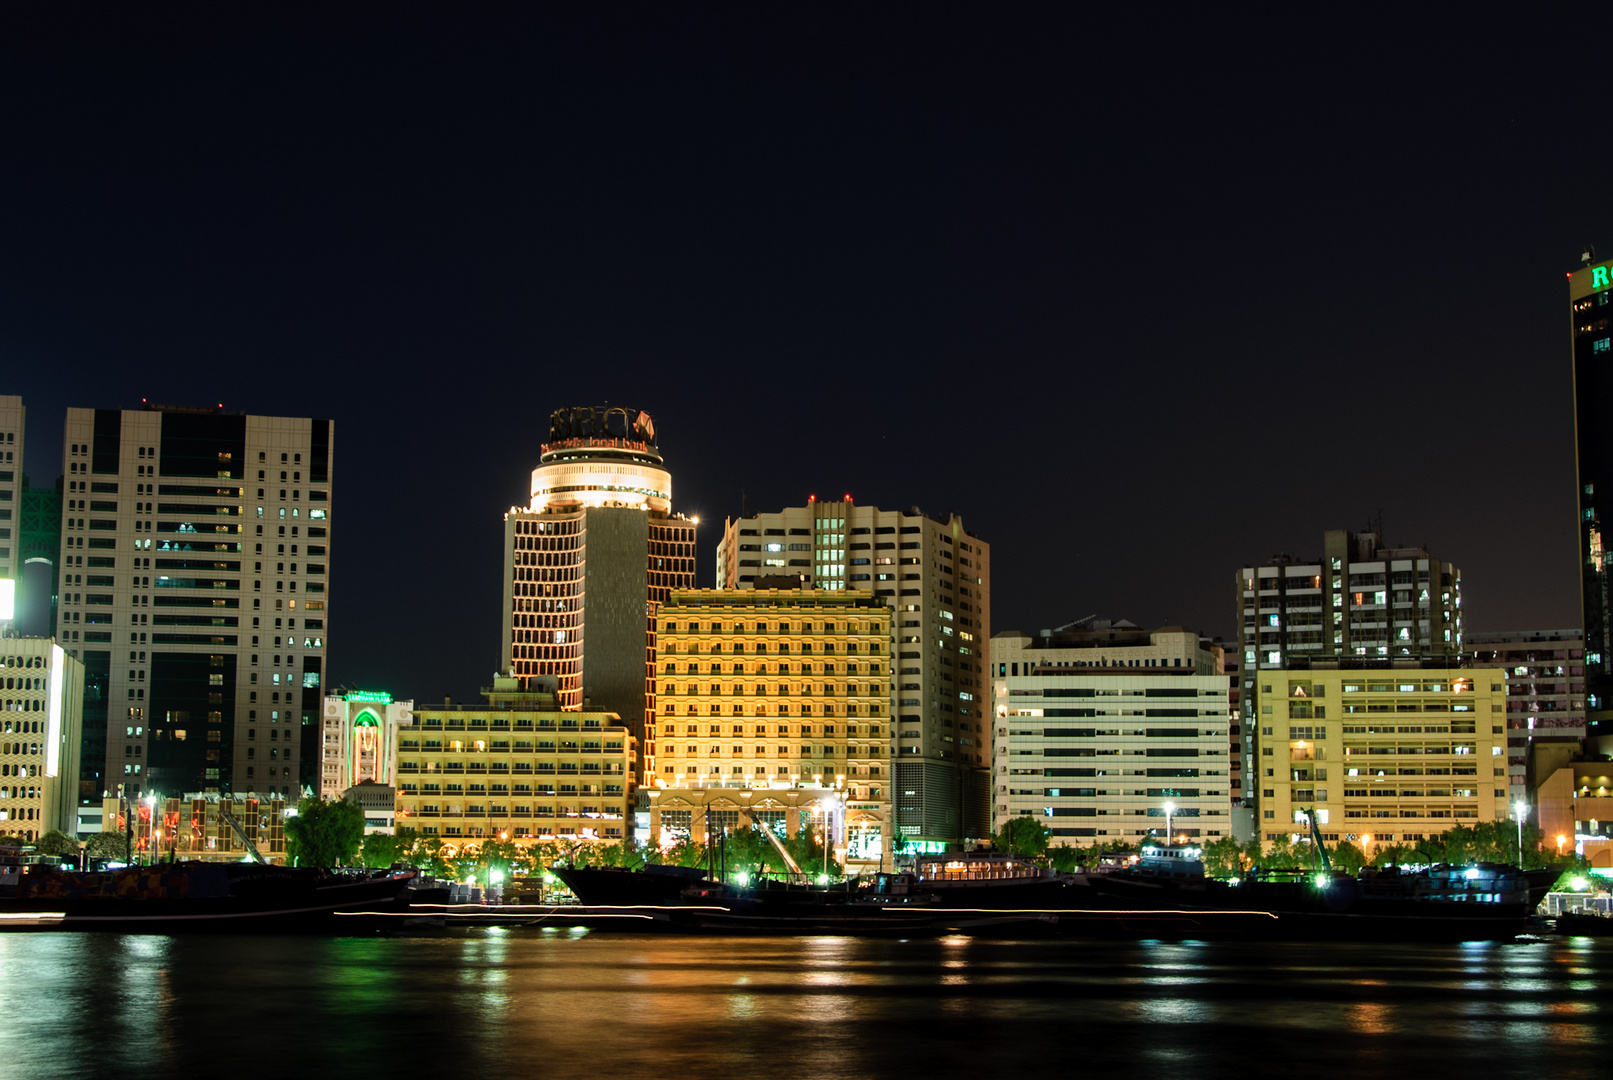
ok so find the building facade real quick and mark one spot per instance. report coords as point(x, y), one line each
point(1104, 731)
point(1574, 803)
point(1591, 348)
point(517, 768)
point(1545, 693)
point(587, 562)
point(765, 692)
point(1384, 756)
point(1362, 605)
point(936, 578)
point(41, 717)
point(195, 569)
point(13, 424)
point(197, 826)
point(1361, 599)
point(858, 834)
point(359, 740)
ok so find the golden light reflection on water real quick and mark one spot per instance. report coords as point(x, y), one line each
point(566, 1006)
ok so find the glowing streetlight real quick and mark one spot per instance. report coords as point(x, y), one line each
point(1522, 809)
point(1170, 808)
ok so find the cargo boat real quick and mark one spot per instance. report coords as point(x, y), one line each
point(1483, 902)
point(186, 897)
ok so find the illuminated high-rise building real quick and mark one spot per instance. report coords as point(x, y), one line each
point(766, 694)
point(588, 561)
point(1545, 697)
point(194, 567)
point(1361, 606)
point(936, 577)
point(1590, 297)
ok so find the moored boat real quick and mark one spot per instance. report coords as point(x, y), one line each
point(1439, 903)
point(198, 896)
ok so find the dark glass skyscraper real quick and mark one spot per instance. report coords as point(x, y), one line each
point(1591, 329)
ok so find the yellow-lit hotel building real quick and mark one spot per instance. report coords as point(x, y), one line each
point(1390, 755)
point(775, 704)
point(516, 768)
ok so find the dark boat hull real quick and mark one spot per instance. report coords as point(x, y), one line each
point(1340, 913)
point(614, 887)
point(1575, 924)
point(204, 898)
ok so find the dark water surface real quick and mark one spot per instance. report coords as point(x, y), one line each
point(535, 1004)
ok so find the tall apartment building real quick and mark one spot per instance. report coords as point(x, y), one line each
point(13, 422)
point(41, 698)
point(1360, 599)
point(1362, 605)
point(1384, 756)
point(517, 768)
point(195, 562)
point(1545, 693)
point(1102, 729)
point(766, 693)
point(936, 577)
point(1591, 350)
point(588, 561)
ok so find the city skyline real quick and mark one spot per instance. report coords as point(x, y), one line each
point(888, 262)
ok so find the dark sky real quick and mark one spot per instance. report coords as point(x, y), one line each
point(1142, 300)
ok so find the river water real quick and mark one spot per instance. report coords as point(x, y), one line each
point(530, 1003)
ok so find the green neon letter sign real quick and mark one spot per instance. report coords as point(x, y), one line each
point(1598, 277)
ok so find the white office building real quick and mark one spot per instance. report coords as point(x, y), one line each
point(195, 589)
point(1105, 732)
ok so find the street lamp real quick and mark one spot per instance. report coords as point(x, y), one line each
point(1522, 808)
point(1170, 808)
point(154, 835)
point(827, 829)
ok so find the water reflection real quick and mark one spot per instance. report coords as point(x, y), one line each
point(566, 1005)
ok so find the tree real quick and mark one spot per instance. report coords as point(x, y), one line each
point(113, 846)
point(1393, 855)
point(1067, 858)
point(55, 842)
point(623, 853)
point(380, 851)
point(324, 833)
point(1281, 855)
point(1347, 857)
point(1023, 836)
point(684, 852)
point(1223, 858)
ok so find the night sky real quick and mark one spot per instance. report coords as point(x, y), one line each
point(1143, 301)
